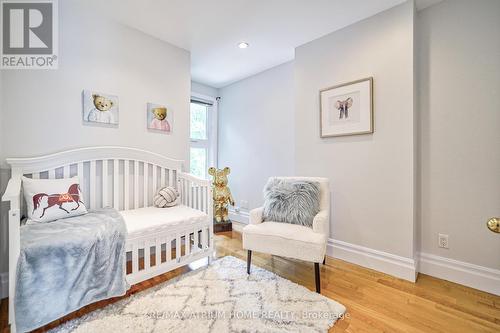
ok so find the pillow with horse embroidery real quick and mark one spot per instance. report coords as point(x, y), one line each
point(52, 199)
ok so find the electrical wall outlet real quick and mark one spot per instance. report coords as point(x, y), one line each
point(443, 241)
point(244, 204)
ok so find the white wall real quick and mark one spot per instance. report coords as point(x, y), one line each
point(4, 175)
point(433, 159)
point(41, 110)
point(256, 125)
point(203, 89)
point(372, 176)
point(4, 234)
point(459, 66)
point(45, 106)
point(268, 123)
point(1, 113)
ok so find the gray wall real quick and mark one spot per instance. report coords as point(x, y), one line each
point(1, 112)
point(204, 89)
point(4, 176)
point(100, 55)
point(372, 176)
point(459, 66)
point(41, 110)
point(256, 131)
point(4, 234)
point(432, 164)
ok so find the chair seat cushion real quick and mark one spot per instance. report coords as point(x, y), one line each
point(286, 240)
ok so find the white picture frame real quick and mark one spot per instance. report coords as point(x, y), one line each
point(159, 118)
point(100, 109)
point(347, 109)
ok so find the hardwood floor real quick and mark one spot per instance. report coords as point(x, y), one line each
point(375, 302)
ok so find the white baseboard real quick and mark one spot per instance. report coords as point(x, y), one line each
point(238, 226)
point(474, 276)
point(388, 263)
point(470, 275)
point(241, 216)
point(4, 284)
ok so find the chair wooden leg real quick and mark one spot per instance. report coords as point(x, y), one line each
point(324, 260)
point(317, 277)
point(249, 260)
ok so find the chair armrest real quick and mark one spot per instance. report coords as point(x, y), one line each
point(321, 222)
point(256, 215)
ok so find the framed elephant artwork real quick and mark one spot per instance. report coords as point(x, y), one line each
point(347, 109)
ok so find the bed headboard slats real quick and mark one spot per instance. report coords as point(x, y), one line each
point(116, 184)
point(126, 192)
point(155, 179)
point(136, 184)
point(124, 178)
point(105, 185)
point(92, 190)
point(145, 188)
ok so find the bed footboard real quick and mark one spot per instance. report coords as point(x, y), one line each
point(150, 255)
point(153, 254)
point(197, 193)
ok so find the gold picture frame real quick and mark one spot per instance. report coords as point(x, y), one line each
point(355, 98)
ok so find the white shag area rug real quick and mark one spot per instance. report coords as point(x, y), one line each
point(217, 298)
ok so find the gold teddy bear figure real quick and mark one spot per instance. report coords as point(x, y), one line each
point(221, 193)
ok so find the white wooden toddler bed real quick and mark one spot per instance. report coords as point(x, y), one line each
point(159, 239)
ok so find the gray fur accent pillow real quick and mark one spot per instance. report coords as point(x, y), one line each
point(291, 201)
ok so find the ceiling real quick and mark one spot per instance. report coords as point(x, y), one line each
point(211, 30)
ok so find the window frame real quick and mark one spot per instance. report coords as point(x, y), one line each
point(212, 136)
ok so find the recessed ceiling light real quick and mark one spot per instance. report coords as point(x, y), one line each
point(243, 45)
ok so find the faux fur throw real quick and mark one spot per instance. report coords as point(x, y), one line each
point(291, 201)
point(67, 264)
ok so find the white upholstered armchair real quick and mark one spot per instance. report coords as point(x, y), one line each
point(291, 240)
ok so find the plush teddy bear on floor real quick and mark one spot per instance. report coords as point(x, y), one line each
point(221, 193)
point(101, 112)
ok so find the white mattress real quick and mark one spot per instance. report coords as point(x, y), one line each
point(149, 220)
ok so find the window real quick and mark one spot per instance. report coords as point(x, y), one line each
point(203, 136)
point(199, 117)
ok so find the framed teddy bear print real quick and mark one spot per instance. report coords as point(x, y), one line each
point(347, 109)
point(100, 108)
point(159, 118)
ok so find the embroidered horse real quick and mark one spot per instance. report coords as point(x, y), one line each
point(73, 195)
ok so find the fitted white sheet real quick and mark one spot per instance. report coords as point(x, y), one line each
point(150, 220)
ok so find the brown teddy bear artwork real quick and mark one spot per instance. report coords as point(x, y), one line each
point(100, 108)
point(159, 118)
point(221, 193)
